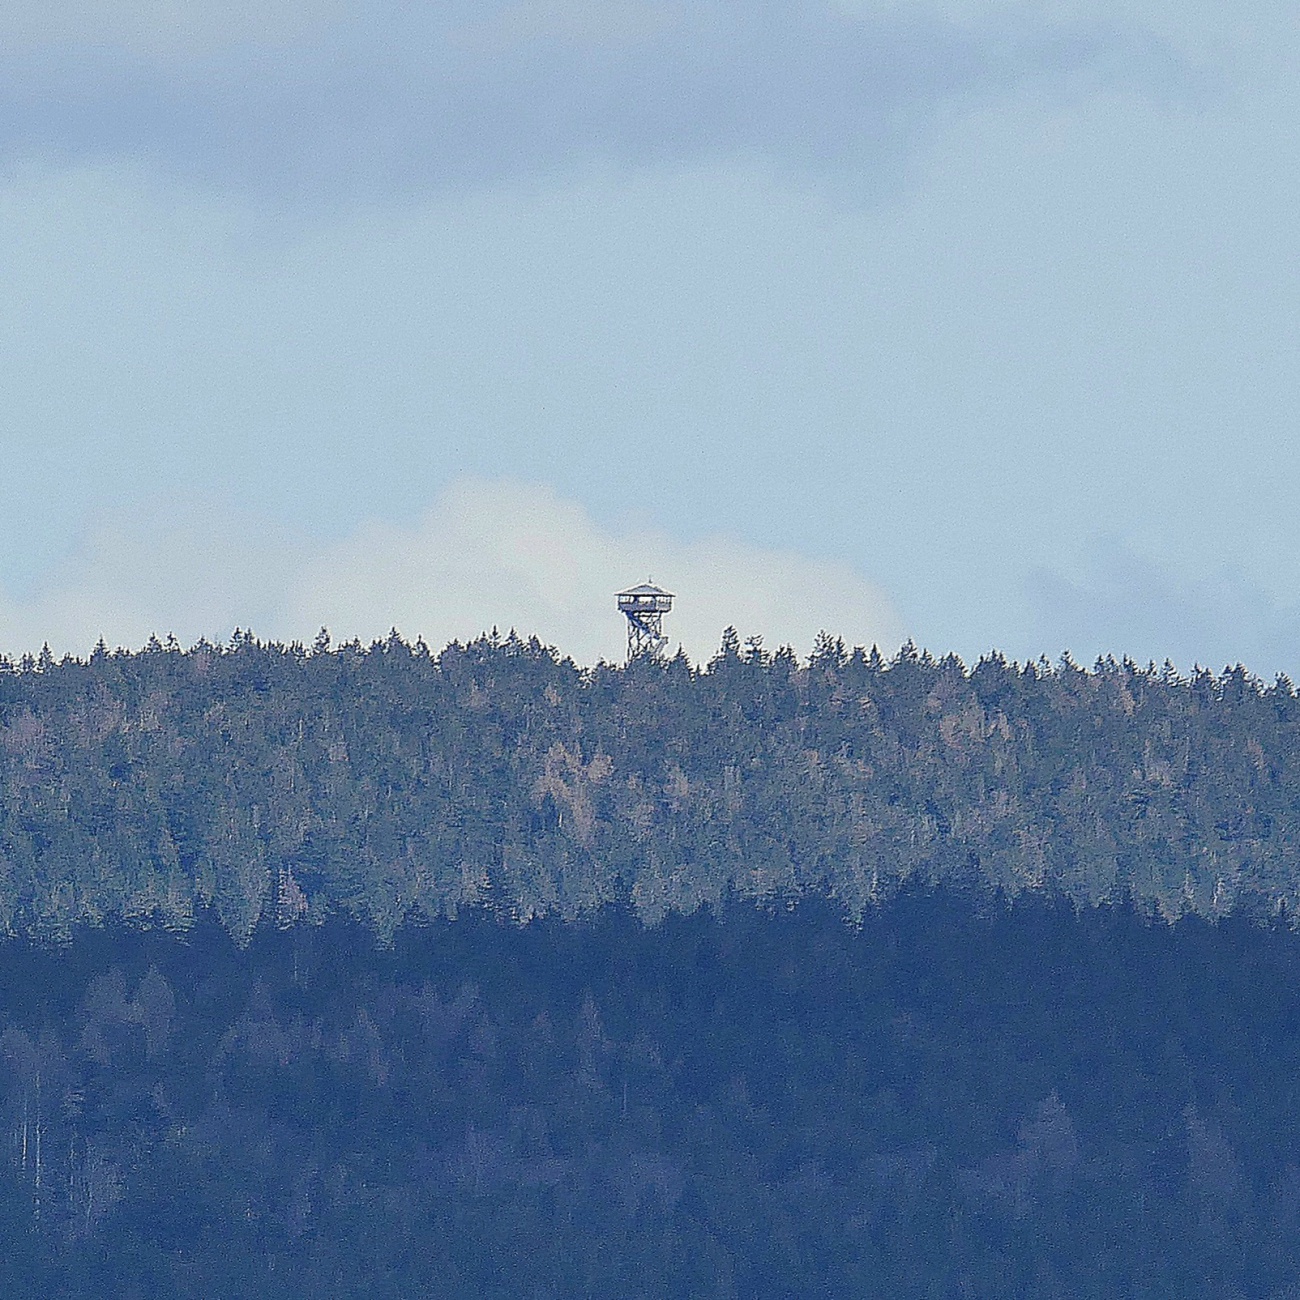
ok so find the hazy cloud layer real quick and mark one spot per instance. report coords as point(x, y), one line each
point(309, 98)
point(1129, 603)
point(1078, 317)
point(166, 31)
point(487, 554)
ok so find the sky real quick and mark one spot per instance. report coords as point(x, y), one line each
point(969, 321)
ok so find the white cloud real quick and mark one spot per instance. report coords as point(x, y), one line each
point(194, 568)
point(486, 554)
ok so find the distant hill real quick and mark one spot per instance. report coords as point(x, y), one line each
point(284, 784)
point(1036, 1103)
point(372, 972)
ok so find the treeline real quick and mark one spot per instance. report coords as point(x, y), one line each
point(1037, 1102)
point(273, 783)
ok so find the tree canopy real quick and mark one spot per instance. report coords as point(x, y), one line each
point(283, 783)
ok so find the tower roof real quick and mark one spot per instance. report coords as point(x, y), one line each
point(645, 589)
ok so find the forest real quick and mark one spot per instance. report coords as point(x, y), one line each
point(366, 970)
point(389, 783)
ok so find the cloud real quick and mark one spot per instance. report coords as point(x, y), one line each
point(191, 568)
point(162, 30)
point(1127, 602)
point(381, 97)
point(589, 23)
point(487, 554)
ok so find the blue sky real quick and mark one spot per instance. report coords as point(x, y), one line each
point(969, 321)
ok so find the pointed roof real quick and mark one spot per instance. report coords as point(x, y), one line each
point(645, 589)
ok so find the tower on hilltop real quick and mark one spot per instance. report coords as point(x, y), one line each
point(645, 607)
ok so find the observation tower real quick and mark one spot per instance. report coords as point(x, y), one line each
point(645, 607)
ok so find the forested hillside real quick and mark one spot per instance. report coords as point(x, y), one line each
point(1035, 1103)
point(264, 782)
point(372, 972)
